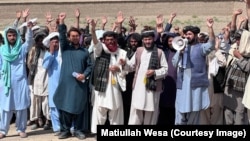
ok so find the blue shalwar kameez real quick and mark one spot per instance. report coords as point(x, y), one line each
point(190, 101)
point(52, 62)
point(18, 98)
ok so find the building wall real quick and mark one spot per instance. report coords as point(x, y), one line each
point(136, 8)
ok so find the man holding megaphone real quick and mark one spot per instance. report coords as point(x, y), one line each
point(192, 96)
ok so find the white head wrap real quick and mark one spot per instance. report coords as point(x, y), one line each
point(46, 42)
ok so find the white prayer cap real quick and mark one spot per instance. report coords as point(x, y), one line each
point(203, 34)
point(35, 27)
point(25, 24)
point(47, 39)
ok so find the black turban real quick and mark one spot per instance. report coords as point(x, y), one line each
point(193, 29)
point(166, 35)
point(110, 34)
point(148, 33)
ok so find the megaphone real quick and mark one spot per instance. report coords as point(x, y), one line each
point(179, 43)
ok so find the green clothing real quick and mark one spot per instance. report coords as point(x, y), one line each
point(72, 95)
point(9, 55)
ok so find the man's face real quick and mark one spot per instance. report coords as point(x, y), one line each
point(54, 43)
point(40, 41)
point(190, 37)
point(11, 38)
point(148, 41)
point(202, 40)
point(170, 39)
point(74, 37)
point(109, 41)
point(133, 43)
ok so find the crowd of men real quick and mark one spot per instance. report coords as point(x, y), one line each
point(71, 79)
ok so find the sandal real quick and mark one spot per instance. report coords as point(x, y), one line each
point(23, 135)
point(29, 122)
point(47, 125)
point(34, 126)
point(2, 135)
point(40, 122)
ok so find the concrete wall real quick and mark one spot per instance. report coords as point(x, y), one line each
point(97, 1)
point(139, 8)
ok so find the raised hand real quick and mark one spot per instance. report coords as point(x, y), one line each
point(159, 20)
point(132, 23)
point(120, 17)
point(77, 13)
point(62, 16)
point(53, 27)
point(26, 13)
point(93, 24)
point(18, 14)
point(88, 19)
point(104, 20)
point(48, 17)
point(242, 19)
point(159, 23)
point(173, 15)
point(210, 22)
point(238, 12)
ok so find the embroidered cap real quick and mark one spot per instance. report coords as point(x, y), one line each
point(148, 33)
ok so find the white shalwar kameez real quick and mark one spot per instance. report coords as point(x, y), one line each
point(145, 101)
point(110, 101)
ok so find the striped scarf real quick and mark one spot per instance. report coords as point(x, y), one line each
point(153, 64)
point(101, 72)
point(34, 62)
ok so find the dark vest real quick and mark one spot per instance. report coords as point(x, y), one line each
point(138, 62)
point(199, 76)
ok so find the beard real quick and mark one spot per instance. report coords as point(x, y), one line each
point(149, 47)
point(171, 48)
point(12, 42)
point(191, 41)
point(133, 47)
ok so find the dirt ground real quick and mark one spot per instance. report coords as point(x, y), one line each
point(40, 135)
